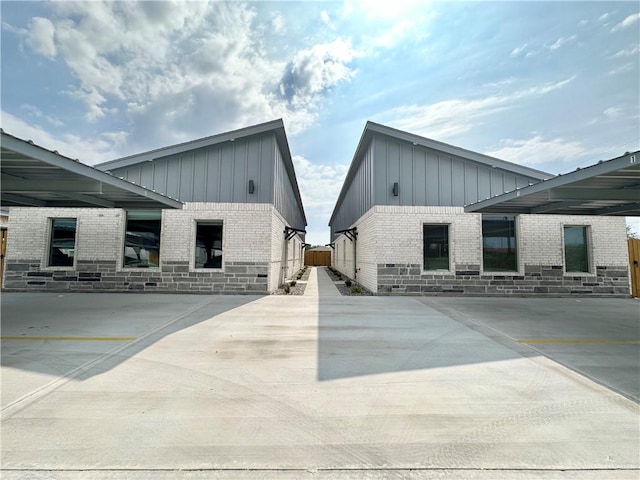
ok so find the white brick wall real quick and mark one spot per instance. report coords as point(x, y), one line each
point(251, 233)
point(245, 231)
point(393, 234)
point(98, 236)
point(541, 239)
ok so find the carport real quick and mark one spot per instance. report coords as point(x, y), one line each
point(32, 176)
point(37, 177)
point(607, 188)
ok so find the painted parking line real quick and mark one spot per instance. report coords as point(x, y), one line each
point(73, 339)
point(565, 341)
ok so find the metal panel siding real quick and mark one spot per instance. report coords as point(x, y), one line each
point(219, 173)
point(212, 187)
point(146, 174)
point(484, 183)
point(433, 179)
point(470, 182)
point(457, 181)
point(284, 197)
point(406, 175)
point(445, 182)
point(199, 175)
point(419, 180)
point(240, 190)
point(359, 197)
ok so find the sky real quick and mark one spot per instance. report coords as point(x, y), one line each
point(550, 85)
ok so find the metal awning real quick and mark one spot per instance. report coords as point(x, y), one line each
point(606, 188)
point(34, 176)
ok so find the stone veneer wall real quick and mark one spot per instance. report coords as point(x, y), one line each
point(103, 276)
point(247, 249)
point(549, 280)
point(389, 255)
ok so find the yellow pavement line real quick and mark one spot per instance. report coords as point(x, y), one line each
point(78, 339)
point(580, 341)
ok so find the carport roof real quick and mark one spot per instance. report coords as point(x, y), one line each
point(34, 176)
point(609, 187)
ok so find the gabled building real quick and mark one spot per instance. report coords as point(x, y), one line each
point(232, 222)
point(404, 223)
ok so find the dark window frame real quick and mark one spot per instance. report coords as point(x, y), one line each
point(500, 255)
point(56, 256)
point(446, 244)
point(585, 250)
point(211, 261)
point(145, 237)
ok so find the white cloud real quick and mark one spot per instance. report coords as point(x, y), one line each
point(630, 20)
point(448, 118)
point(324, 16)
point(106, 146)
point(185, 69)
point(314, 70)
point(633, 50)
point(278, 23)
point(612, 112)
point(41, 37)
point(627, 67)
point(37, 113)
point(319, 188)
point(562, 41)
point(537, 150)
point(319, 184)
point(603, 17)
point(518, 50)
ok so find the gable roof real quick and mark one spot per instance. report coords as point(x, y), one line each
point(606, 188)
point(275, 126)
point(372, 128)
point(35, 176)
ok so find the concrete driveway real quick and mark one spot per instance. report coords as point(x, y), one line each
point(319, 386)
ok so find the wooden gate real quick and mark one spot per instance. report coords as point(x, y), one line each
point(634, 263)
point(3, 253)
point(318, 258)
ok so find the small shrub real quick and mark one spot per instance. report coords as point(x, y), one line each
point(347, 282)
point(292, 283)
point(287, 288)
point(356, 289)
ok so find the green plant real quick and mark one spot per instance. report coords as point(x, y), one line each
point(287, 288)
point(347, 282)
point(356, 289)
point(292, 283)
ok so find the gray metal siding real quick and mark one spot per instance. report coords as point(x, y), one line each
point(359, 197)
point(427, 177)
point(219, 173)
point(284, 198)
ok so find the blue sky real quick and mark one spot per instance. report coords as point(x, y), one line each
point(551, 85)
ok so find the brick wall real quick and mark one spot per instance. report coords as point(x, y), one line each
point(389, 255)
point(248, 251)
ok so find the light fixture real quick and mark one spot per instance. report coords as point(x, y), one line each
point(252, 186)
point(395, 189)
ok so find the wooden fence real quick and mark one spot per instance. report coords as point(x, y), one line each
point(317, 259)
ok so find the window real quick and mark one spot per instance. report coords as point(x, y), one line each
point(576, 254)
point(63, 242)
point(499, 251)
point(142, 239)
point(208, 245)
point(435, 251)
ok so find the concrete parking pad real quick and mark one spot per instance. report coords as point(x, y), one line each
point(305, 387)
